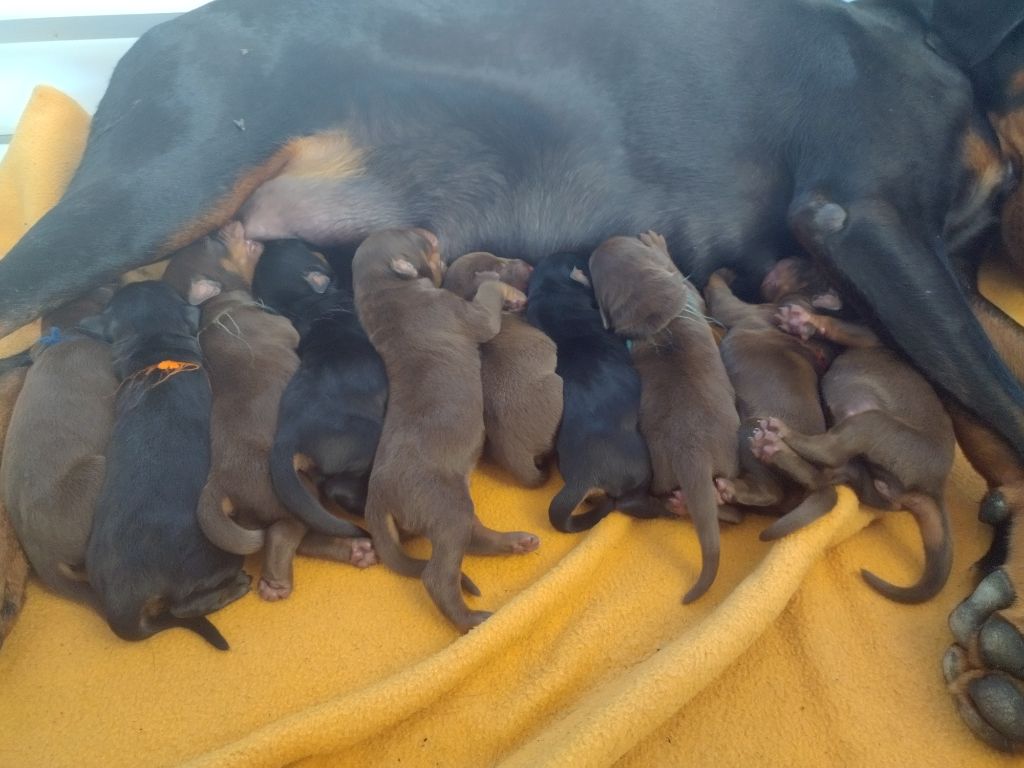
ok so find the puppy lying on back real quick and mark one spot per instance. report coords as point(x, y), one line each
point(687, 413)
point(330, 415)
point(601, 455)
point(433, 433)
point(250, 358)
point(147, 560)
point(53, 458)
point(522, 392)
point(886, 415)
point(772, 372)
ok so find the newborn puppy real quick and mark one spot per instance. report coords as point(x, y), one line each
point(433, 433)
point(147, 559)
point(250, 358)
point(331, 412)
point(53, 457)
point(522, 392)
point(687, 411)
point(600, 452)
point(887, 415)
point(13, 563)
point(772, 372)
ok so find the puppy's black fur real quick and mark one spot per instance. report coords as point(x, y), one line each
point(599, 444)
point(147, 560)
point(333, 408)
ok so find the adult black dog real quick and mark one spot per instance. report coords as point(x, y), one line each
point(527, 127)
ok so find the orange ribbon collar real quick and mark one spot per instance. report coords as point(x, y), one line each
point(165, 368)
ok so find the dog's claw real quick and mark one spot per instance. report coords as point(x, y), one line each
point(994, 508)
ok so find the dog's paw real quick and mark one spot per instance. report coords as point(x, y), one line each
point(676, 502)
point(725, 491)
point(723, 275)
point(272, 591)
point(796, 321)
point(985, 668)
point(653, 240)
point(766, 441)
point(363, 554)
point(515, 300)
point(523, 542)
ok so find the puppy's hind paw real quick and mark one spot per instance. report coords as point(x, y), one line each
point(796, 321)
point(272, 591)
point(363, 554)
point(765, 443)
point(525, 542)
point(725, 491)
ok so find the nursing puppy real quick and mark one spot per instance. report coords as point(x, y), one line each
point(331, 412)
point(772, 372)
point(250, 358)
point(601, 455)
point(433, 433)
point(522, 392)
point(53, 457)
point(687, 411)
point(147, 559)
point(886, 414)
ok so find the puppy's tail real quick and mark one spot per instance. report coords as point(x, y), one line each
point(201, 625)
point(384, 533)
point(299, 501)
point(560, 513)
point(220, 529)
point(702, 505)
point(933, 520)
point(20, 360)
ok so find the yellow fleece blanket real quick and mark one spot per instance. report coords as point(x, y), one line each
point(590, 660)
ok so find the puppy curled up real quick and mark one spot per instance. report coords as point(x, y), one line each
point(147, 560)
point(433, 434)
point(601, 455)
point(522, 393)
point(687, 412)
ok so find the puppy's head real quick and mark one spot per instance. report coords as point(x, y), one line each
point(638, 288)
point(290, 276)
point(70, 314)
point(224, 257)
point(409, 254)
point(145, 309)
point(466, 273)
point(799, 277)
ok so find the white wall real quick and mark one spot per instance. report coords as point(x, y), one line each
point(70, 44)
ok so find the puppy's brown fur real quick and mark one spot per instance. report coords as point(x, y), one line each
point(772, 372)
point(249, 356)
point(53, 458)
point(687, 411)
point(522, 392)
point(429, 340)
point(887, 415)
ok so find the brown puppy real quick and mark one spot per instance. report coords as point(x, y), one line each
point(522, 392)
point(687, 411)
point(53, 458)
point(429, 340)
point(884, 413)
point(772, 373)
point(250, 358)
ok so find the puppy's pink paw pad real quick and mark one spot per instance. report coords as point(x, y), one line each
point(363, 554)
point(724, 490)
point(526, 542)
point(274, 591)
point(676, 503)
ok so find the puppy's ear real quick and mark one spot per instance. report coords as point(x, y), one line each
point(973, 31)
point(202, 289)
point(404, 268)
point(828, 300)
point(579, 276)
point(317, 280)
point(97, 326)
point(427, 235)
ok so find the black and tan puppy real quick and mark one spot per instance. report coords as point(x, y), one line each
point(772, 372)
point(887, 415)
point(330, 415)
point(601, 455)
point(147, 559)
point(429, 339)
point(687, 412)
point(522, 392)
point(250, 358)
point(53, 459)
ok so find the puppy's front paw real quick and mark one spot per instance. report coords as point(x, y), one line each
point(272, 591)
point(796, 321)
point(652, 239)
point(765, 443)
point(723, 275)
point(363, 554)
point(725, 491)
point(985, 668)
point(515, 300)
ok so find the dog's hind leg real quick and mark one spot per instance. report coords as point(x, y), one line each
point(283, 538)
point(485, 541)
point(357, 552)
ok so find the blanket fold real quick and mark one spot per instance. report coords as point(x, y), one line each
point(590, 659)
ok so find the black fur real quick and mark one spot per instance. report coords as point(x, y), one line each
point(528, 127)
point(147, 558)
point(333, 408)
point(599, 444)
